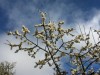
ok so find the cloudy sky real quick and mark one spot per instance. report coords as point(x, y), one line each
point(15, 13)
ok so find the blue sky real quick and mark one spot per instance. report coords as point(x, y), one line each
point(15, 13)
point(24, 10)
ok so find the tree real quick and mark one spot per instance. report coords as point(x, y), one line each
point(6, 68)
point(52, 36)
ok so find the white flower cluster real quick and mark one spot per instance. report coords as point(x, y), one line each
point(51, 26)
point(25, 30)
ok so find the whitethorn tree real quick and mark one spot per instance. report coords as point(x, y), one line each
point(50, 35)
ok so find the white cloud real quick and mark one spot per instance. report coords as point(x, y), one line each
point(94, 23)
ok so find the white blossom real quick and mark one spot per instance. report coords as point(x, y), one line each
point(24, 29)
